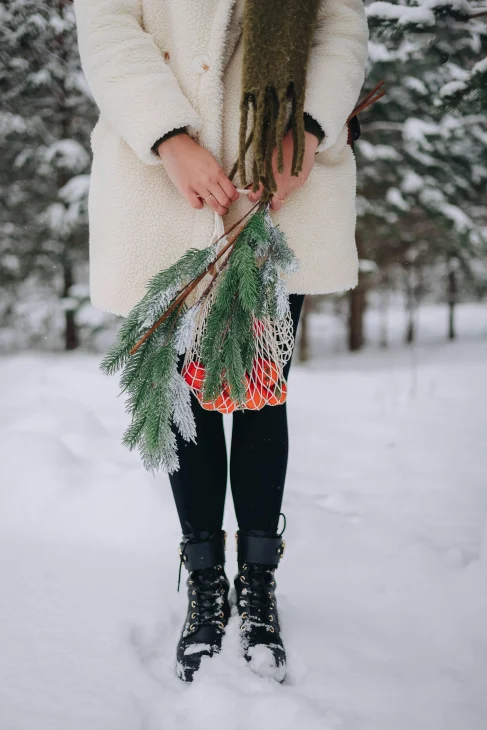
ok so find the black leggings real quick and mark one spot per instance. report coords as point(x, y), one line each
point(258, 463)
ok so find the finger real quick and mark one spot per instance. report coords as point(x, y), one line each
point(195, 200)
point(254, 197)
point(213, 203)
point(277, 201)
point(229, 188)
point(219, 195)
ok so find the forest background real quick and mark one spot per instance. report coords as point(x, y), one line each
point(422, 173)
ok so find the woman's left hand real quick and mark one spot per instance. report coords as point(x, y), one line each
point(286, 182)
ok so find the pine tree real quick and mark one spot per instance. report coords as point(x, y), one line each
point(47, 114)
point(423, 156)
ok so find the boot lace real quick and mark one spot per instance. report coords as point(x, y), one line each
point(206, 591)
point(257, 596)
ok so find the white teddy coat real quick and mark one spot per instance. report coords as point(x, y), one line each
point(156, 65)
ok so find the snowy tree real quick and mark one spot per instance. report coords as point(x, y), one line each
point(46, 117)
point(423, 157)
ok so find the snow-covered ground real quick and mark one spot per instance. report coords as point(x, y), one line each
point(383, 590)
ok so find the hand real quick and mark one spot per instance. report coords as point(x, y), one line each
point(196, 174)
point(286, 182)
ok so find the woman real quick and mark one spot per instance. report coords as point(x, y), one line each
point(169, 77)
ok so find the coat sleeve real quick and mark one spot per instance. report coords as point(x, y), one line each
point(134, 88)
point(336, 66)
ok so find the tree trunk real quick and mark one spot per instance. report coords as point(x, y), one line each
point(384, 302)
point(356, 317)
point(357, 304)
point(410, 306)
point(71, 340)
point(304, 349)
point(452, 300)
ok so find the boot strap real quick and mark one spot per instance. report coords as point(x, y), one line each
point(260, 550)
point(201, 554)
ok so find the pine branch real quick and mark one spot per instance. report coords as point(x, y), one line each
point(247, 285)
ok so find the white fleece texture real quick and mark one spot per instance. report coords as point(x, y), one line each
point(140, 61)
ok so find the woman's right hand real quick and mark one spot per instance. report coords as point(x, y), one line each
point(196, 174)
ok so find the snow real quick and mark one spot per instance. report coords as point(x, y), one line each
point(262, 663)
point(452, 87)
point(422, 14)
point(67, 154)
point(76, 189)
point(480, 67)
point(417, 130)
point(367, 266)
point(382, 591)
point(197, 649)
point(412, 182)
point(378, 151)
point(12, 123)
point(460, 220)
point(404, 14)
point(394, 197)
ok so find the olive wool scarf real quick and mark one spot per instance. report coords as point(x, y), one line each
point(277, 38)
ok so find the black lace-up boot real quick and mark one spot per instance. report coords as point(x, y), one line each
point(208, 607)
point(258, 557)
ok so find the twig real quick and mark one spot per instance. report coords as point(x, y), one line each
point(377, 93)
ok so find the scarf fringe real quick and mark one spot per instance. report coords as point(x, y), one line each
point(270, 109)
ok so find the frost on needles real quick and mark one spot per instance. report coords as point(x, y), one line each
point(246, 286)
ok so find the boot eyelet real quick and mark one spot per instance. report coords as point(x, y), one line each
point(191, 582)
point(272, 630)
point(244, 615)
point(271, 618)
point(221, 625)
point(244, 566)
point(191, 628)
point(193, 615)
point(272, 605)
point(193, 593)
point(221, 614)
point(222, 591)
point(193, 604)
point(272, 583)
point(242, 579)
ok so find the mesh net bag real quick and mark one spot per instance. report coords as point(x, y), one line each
point(265, 383)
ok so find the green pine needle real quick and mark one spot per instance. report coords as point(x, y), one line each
point(248, 288)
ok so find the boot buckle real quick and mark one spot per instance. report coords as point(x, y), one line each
point(282, 549)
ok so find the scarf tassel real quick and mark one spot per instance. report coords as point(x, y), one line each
point(270, 113)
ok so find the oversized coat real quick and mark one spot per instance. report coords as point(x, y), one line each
point(157, 65)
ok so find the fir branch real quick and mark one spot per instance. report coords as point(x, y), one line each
point(193, 284)
point(182, 413)
point(133, 433)
point(234, 366)
point(246, 273)
point(248, 286)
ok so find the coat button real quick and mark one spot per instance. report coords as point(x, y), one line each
point(201, 64)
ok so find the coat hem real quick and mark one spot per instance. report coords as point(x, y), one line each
point(310, 291)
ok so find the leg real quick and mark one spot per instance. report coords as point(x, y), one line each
point(199, 492)
point(199, 486)
point(258, 471)
point(259, 457)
